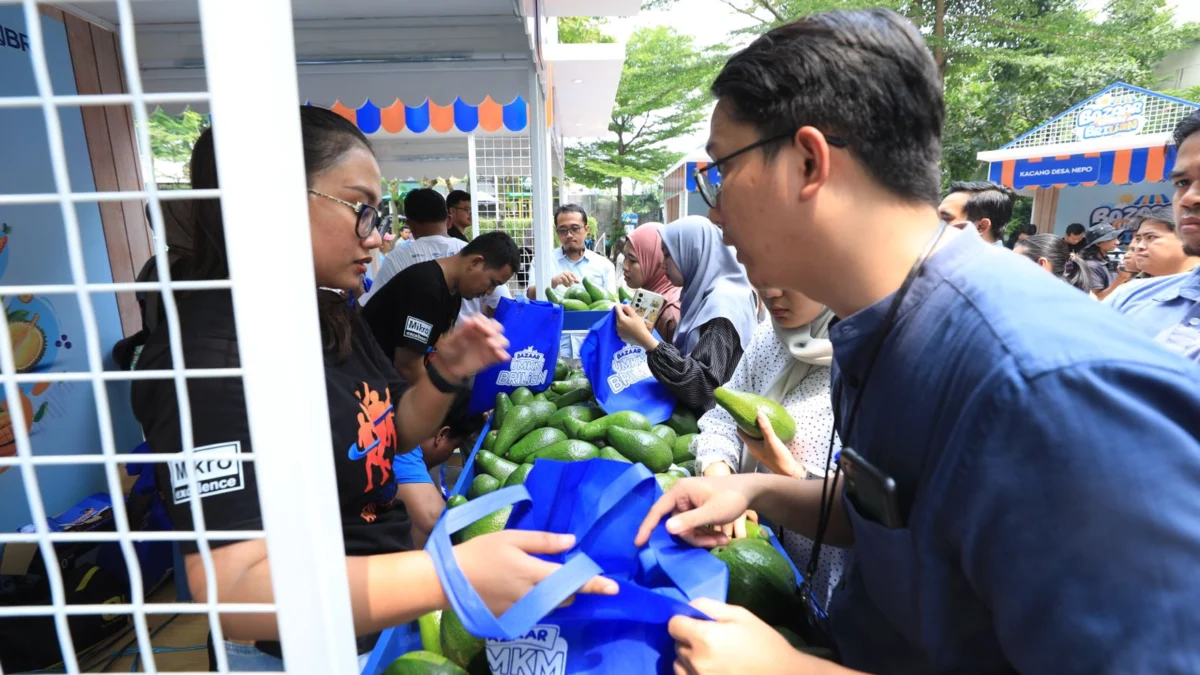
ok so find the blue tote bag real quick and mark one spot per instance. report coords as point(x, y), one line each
point(602, 503)
point(533, 329)
point(620, 377)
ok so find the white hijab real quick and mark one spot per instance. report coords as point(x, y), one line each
point(810, 348)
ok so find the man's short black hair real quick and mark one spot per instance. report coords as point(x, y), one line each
point(864, 76)
point(1186, 127)
point(457, 197)
point(497, 248)
point(1075, 229)
point(462, 425)
point(987, 200)
point(570, 208)
point(425, 205)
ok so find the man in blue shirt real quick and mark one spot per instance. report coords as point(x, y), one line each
point(1023, 539)
point(1179, 311)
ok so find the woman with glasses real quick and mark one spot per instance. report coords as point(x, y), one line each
point(718, 314)
point(372, 418)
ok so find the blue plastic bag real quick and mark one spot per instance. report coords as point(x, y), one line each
point(620, 377)
point(602, 503)
point(533, 330)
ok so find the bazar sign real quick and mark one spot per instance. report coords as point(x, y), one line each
point(1110, 116)
point(1126, 209)
point(1054, 171)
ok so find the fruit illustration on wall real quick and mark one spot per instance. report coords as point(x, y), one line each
point(34, 330)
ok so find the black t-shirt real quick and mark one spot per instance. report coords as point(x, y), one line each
point(456, 233)
point(413, 309)
point(362, 392)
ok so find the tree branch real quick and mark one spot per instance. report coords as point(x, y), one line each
point(747, 12)
point(765, 4)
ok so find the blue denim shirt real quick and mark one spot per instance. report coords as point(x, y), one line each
point(1048, 465)
point(1158, 303)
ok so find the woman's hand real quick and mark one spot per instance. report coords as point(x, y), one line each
point(474, 344)
point(771, 451)
point(719, 647)
point(700, 504)
point(632, 328)
point(502, 569)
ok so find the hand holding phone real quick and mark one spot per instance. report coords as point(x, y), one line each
point(648, 305)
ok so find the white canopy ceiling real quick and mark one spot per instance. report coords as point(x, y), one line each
point(383, 50)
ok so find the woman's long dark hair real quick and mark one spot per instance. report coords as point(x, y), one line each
point(327, 137)
point(1063, 264)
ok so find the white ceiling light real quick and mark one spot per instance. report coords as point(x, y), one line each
point(578, 81)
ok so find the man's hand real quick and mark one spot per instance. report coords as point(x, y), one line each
point(475, 343)
point(771, 451)
point(565, 279)
point(699, 504)
point(736, 529)
point(501, 566)
point(632, 328)
point(736, 642)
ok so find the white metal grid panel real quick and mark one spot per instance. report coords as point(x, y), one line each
point(315, 620)
point(1149, 114)
point(503, 170)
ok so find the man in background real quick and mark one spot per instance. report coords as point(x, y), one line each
point(573, 261)
point(411, 312)
point(427, 217)
point(984, 203)
point(1075, 236)
point(459, 204)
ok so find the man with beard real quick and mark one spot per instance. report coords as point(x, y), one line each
point(991, 533)
point(1169, 306)
point(574, 261)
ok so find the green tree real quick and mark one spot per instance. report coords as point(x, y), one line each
point(662, 95)
point(1009, 65)
point(582, 30)
point(172, 136)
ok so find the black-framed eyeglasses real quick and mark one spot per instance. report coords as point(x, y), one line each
point(711, 193)
point(574, 229)
point(369, 218)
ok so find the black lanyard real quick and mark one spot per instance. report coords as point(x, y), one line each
point(828, 486)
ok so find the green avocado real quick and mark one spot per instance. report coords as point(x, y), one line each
point(627, 419)
point(503, 405)
point(682, 449)
point(555, 296)
point(624, 294)
point(534, 441)
point(578, 293)
point(489, 441)
point(577, 412)
point(560, 370)
point(493, 522)
point(641, 446)
point(596, 292)
point(760, 578)
point(683, 421)
point(609, 453)
point(566, 451)
point(575, 305)
point(423, 663)
point(666, 433)
point(744, 407)
point(493, 465)
point(520, 420)
point(482, 485)
point(521, 396)
point(430, 626)
point(518, 477)
point(457, 644)
point(542, 411)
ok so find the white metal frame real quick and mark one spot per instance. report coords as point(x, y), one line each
point(299, 499)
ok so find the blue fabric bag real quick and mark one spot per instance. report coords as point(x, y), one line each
point(620, 377)
point(533, 330)
point(602, 503)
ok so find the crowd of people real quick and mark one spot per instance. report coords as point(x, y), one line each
point(1043, 445)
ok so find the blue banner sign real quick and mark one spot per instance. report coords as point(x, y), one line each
point(1072, 170)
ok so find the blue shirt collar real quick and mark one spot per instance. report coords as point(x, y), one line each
point(1188, 287)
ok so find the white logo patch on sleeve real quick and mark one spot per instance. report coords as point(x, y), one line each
point(213, 476)
point(416, 329)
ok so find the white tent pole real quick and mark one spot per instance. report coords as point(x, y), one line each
point(543, 226)
point(473, 178)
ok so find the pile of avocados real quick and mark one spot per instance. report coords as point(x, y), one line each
point(565, 424)
point(587, 297)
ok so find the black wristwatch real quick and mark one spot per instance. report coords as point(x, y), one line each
point(442, 384)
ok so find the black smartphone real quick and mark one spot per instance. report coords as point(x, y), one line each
point(872, 492)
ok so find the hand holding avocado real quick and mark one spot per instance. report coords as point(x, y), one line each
point(771, 451)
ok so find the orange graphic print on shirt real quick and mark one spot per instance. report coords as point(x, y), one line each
point(376, 435)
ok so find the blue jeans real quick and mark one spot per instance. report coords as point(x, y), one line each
point(248, 658)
